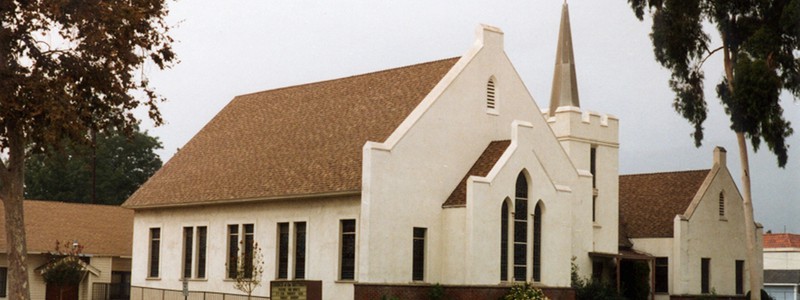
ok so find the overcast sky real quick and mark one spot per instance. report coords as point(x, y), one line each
point(228, 48)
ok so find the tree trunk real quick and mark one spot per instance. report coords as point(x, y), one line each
point(747, 203)
point(11, 193)
point(749, 221)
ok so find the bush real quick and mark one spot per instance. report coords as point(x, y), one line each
point(436, 292)
point(764, 295)
point(596, 290)
point(525, 292)
point(586, 289)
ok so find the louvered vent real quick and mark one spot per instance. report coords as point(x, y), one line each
point(490, 95)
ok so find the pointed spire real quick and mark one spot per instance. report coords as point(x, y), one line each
point(565, 83)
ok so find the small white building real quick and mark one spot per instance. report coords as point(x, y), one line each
point(443, 172)
point(782, 265)
point(103, 232)
point(691, 222)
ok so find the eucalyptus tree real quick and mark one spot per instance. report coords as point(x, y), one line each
point(68, 67)
point(760, 40)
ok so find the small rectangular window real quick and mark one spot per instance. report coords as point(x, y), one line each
point(418, 261)
point(283, 250)
point(347, 263)
point(155, 248)
point(188, 238)
point(3, 281)
point(662, 275)
point(739, 277)
point(299, 250)
point(201, 251)
point(233, 249)
point(705, 273)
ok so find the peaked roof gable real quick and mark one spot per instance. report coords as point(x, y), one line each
point(299, 140)
point(781, 240)
point(101, 229)
point(648, 203)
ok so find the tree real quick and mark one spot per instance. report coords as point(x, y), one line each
point(69, 67)
point(119, 163)
point(249, 268)
point(760, 39)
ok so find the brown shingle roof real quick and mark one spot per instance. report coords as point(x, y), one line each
point(297, 140)
point(648, 203)
point(781, 240)
point(482, 166)
point(101, 229)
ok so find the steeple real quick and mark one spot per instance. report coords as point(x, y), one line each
point(565, 83)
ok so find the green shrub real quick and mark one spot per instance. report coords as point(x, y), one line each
point(764, 295)
point(436, 292)
point(525, 292)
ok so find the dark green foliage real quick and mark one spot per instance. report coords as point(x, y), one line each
point(764, 295)
point(588, 289)
point(759, 42)
point(596, 290)
point(63, 267)
point(436, 292)
point(123, 164)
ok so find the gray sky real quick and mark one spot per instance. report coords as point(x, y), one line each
point(228, 48)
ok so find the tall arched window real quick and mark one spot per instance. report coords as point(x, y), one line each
point(504, 242)
point(537, 243)
point(521, 228)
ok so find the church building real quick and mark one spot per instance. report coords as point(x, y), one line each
point(445, 172)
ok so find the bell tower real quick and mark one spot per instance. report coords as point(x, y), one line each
point(591, 140)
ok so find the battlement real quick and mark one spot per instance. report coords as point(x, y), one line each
point(570, 122)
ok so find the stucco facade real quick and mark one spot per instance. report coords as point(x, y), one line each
point(474, 186)
point(407, 178)
point(711, 228)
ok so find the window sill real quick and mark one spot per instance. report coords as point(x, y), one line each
point(724, 219)
point(153, 278)
point(492, 112)
point(346, 281)
point(195, 279)
point(597, 225)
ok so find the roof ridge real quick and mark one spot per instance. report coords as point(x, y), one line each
point(346, 77)
point(667, 172)
point(71, 203)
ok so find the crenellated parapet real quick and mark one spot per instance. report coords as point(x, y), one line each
point(570, 123)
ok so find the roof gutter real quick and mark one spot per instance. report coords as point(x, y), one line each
point(249, 200)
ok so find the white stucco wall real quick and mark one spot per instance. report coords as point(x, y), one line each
point(702, 233)
point(782, 259)
point(322, 241)
point(658, 247)
point(579, 131)
point(408, 177)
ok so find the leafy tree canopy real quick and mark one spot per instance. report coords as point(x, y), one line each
point(68, 67)
point(122, 165)
point(760, 39)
